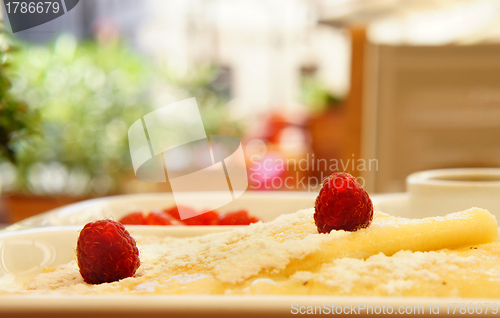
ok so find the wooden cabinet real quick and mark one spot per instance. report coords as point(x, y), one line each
point(429, 107)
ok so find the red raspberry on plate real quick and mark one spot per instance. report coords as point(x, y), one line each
point(158, 218)
point(207, 218)
point(342, 204)
point(134, 218)
point(174, 212)
point(237, 218)
point(106, 252)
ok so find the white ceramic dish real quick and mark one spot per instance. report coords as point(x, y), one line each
point(264, 205)
point(49, 239)
point(24, 252)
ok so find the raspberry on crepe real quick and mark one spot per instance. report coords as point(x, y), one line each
point(342, 204)
point(106, 252)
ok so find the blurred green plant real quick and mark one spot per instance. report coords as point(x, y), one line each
point(16, 119)
point(317, 96)
point(88, 94)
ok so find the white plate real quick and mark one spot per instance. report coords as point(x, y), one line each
point(24, 252)
point(264, 205)
point(49, 239)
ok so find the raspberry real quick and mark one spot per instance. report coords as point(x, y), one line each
point(174, 212)
point(237, 218)
point(207, 218)
point(342, 204)
point(134, 218)
point(106, 252)
point(158, 218)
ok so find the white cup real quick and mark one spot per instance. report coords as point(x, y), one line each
point(439, 192)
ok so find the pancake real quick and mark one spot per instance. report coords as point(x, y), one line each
point(454, 255)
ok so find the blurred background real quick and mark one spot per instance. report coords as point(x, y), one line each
point(377, 88)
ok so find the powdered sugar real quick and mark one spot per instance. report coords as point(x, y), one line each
point(399, 270)
point(283, 251)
